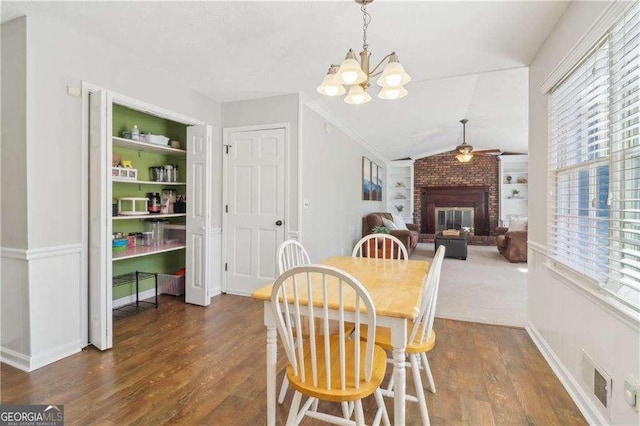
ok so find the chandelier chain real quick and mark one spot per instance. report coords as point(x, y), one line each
point(366, 20)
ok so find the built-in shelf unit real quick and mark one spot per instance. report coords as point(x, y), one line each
point(514, 187)
point(400, 188)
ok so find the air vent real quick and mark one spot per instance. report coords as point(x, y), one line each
point(596, 380)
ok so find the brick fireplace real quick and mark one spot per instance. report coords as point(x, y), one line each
point(473, 183)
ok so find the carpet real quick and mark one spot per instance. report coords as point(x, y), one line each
point(485, 288)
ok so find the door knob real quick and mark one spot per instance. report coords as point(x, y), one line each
point(278, 223)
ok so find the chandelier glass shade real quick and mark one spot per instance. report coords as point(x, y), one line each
point(357, 74)
point(331, 85)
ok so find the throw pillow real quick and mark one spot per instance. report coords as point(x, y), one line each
point(399, 222)
point(518, 224)
point(390, 225)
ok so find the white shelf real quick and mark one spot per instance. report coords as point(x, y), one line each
point(139, 251)
point(148, 182)
point(400, 171)
point(515, 167)
point(149, 216)
point(147, 147)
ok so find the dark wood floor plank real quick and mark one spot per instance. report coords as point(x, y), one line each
point(184, 364)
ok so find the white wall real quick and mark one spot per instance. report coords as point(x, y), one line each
point(56, 56)
point(277, 109)
point(14, 289)
point(14, 135)
point(564, 317)
point(332, 183)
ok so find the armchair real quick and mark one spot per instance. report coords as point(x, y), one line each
point(409, 237)
point(512, 244)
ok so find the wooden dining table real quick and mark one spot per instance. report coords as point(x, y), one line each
point(395, 286)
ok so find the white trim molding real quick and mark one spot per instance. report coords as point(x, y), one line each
point(55, 354)
point(537, 247)
point(15, 359)
point(293, 235)
point(13, 253)
point(39, 253)
point(28, 364)
point(45, 252)
point(586, 406)
point(610, 16)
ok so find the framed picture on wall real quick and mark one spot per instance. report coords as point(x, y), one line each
point(366, 179)
point(374, 182)
point(379, 183)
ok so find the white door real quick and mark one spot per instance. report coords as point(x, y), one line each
point(100, 297)
point(198, 269)
point(255, 205)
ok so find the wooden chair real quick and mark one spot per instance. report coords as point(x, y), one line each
point(324, 366)
point(383, 246)
point(421, 337)
point(291, 253)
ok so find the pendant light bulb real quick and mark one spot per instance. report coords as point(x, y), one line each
point(391, 93)
point(393, 74)
point(350, 71)
point(357, 96)
point(331, 86)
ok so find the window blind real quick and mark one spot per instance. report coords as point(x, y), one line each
point(594, 164)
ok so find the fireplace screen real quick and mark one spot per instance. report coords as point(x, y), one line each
point(460, 218)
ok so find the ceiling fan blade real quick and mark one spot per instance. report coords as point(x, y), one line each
point(488, 152)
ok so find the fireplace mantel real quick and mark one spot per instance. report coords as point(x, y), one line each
point(455, 196)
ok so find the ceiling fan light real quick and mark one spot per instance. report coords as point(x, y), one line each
point(464, 148)
point(357, 95)
point(331, 86)
point(391, 93)
point(464, 158)
point(394, 74)
point(350, 71)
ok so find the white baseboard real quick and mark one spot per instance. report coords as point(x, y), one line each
point(132, 298)
point(488, 322)
point(28, 364)
point(588, 409)
point(15, 359)
point(239, 293)
point(55, 354)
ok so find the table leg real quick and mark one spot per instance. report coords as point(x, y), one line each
point(398, 340)
point(272, 361)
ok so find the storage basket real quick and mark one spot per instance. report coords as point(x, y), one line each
point(124, 173)
point(171, 284)
point(175, 234)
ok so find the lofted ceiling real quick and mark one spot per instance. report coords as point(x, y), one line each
point(466, 59)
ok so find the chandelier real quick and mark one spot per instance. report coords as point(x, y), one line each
point(357, 74)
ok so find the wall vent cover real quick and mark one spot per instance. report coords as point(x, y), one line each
point(596, 380)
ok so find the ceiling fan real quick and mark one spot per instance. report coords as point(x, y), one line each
point(465, 152)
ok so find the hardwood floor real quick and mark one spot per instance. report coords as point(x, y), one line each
point(184, 364)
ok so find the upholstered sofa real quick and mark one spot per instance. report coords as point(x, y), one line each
point(512, 244)
point(408, 237)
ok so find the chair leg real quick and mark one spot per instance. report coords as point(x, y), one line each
point(283, 389)
point(427, 370)
point(345, 410)
point(359, 413)
point(293, 411)
point(417, 381)
point(381, 406)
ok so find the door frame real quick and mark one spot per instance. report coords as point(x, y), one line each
point(133, 103)
point(226, 131)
